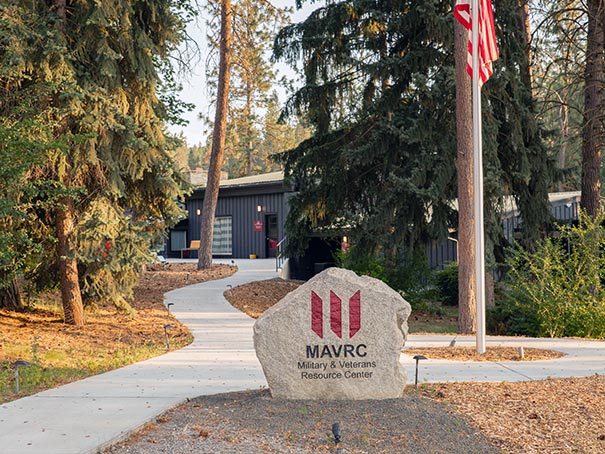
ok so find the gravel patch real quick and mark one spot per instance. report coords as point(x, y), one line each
point(253, 422)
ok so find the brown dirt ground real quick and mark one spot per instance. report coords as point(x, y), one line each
point(252, 422)
point(109, 339)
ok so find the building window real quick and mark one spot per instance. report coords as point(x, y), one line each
point(178, 240)
point(222, 240)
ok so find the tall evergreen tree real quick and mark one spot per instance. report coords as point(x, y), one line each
point(115, 185)
point(379, 92)
point(527, 168)
point(255, 24)
point(218, 139)
point(19, 150)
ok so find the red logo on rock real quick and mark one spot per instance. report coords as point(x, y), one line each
point(317, 314)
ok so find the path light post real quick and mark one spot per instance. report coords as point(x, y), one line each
point(166, 328)
point(337, 436)
point(168, 306)
point(418, 358)
point(17, 364)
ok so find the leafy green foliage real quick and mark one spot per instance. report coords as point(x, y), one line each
point(560, 285)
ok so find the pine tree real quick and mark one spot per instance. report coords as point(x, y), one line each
point(255, 24)
point(218, 139)
point(379, 93)
point(527, 169)
point(103, 60)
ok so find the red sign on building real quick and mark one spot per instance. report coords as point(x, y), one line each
point(258, 225)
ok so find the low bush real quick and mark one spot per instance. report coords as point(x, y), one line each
point(557, 290)
point(447, 283)
point(411, 276)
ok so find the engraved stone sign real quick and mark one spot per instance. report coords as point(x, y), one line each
point(339, 336)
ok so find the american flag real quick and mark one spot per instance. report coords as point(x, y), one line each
point(488, 49)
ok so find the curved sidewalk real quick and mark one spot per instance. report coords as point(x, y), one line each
point(84, 416)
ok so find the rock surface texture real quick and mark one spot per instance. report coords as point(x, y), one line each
point(339, 336)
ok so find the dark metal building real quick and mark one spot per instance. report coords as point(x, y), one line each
point(249, 219)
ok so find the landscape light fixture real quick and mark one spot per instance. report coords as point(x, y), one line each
point(17, 364)
point(166, 328)
point(418, 358)
point(337, 433)
point(168, 306)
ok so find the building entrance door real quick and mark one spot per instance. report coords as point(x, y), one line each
point(271, 235)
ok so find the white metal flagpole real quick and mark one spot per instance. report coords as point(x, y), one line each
point(478, 185)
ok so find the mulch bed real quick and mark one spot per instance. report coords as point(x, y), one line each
point(253, 422)
point(491, 353)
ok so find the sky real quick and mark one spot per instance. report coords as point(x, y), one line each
point(194, 83)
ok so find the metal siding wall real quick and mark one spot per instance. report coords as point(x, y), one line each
point(243, 211)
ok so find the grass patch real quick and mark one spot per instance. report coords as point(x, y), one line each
point(61, 353)
point(430, 317)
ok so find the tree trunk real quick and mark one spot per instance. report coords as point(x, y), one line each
point(592, 131)
point(218, 140)
point(250, 129)
point(525, 27)
point(467, 316)
point(10, 297)
point(562, 156)
point(71, 296)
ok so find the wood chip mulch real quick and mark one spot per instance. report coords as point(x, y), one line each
point(255, 298)
point(491, 354)
point(556, 416)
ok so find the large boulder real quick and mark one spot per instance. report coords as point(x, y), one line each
point(339, 336)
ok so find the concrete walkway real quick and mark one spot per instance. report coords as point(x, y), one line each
point(582, 358)
point(84, 416)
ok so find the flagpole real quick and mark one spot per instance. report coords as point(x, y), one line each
point(478, 185)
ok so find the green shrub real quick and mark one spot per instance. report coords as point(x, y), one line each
point(558, 288)
point(411, 276)
point(447, 283)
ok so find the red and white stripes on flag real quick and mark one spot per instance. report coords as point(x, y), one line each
point(488, 49)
